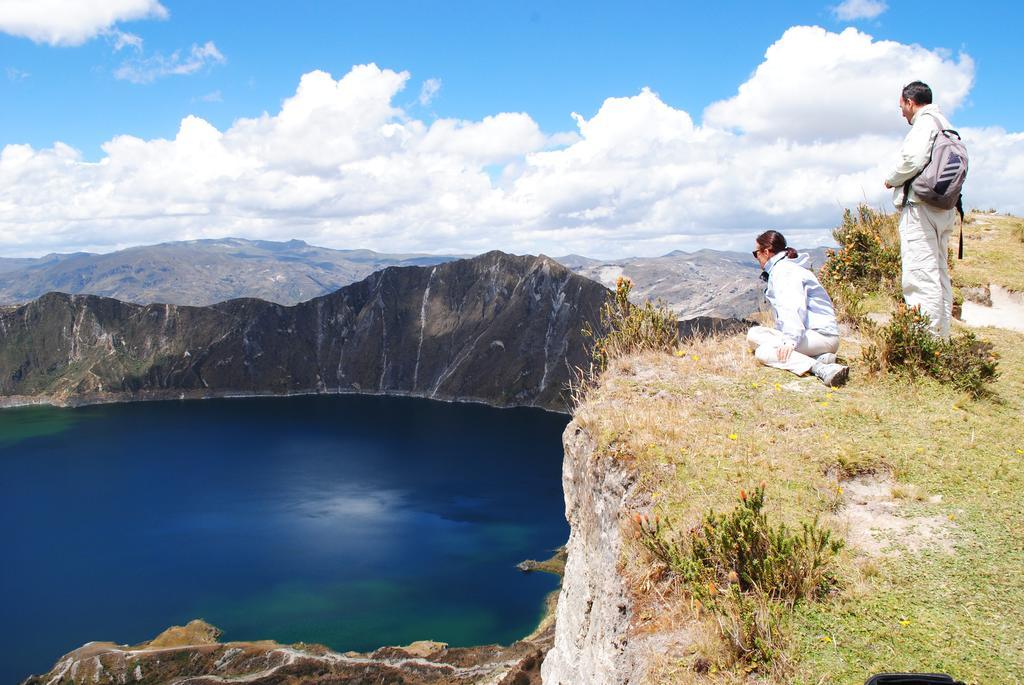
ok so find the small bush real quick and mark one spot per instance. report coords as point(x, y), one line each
point(631, 328)
point(745, 570)
point(1018, 231)
point(867, 261)
point(906, 345)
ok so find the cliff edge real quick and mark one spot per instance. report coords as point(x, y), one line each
point(920, 481)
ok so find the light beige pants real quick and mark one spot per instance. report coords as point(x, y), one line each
point(924, 248)
point(766, 343)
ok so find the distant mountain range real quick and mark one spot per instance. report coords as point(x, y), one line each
point(703, 283)
point(200, 272)
point(204, 272)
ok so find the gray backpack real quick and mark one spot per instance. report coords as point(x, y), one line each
point(940, 182)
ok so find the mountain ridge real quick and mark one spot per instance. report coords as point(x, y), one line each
point(498, 328)
point(200, 272)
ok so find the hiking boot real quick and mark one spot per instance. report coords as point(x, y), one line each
point(832, 375)
point(827, 358)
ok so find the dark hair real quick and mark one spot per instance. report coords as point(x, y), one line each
point(919, 92)
point(775, 242)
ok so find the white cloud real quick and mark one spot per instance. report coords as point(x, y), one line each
point(851, 10)
point(59, 22)
point(16, 75)
point(148, 69)
point(815, 84)
point(121, 39)
point(429, 90)
point(341, 165)
point(215, 96)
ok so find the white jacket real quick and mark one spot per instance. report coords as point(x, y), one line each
point(916, 150)
point(799, 301)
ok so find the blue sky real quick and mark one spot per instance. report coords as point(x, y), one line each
point(547, 61)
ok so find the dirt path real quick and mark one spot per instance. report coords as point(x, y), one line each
point(1007, 310)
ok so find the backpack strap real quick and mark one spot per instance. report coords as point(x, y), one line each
point(906, 186)
point(960, 209)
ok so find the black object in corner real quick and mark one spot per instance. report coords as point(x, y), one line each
point(912, 679)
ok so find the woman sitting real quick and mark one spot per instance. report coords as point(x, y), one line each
point(806, 336)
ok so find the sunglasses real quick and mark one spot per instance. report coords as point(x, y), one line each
point(754, 252)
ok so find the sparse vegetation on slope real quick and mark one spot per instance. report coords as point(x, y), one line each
point(747, 571)
point(929, 579)
point(626, 328)
point(993, 251)
point(863, 275)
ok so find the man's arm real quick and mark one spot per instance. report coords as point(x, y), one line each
point(914, 153)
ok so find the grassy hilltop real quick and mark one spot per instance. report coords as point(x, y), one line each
point(921, 480)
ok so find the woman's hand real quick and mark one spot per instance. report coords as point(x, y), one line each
point(784, 352)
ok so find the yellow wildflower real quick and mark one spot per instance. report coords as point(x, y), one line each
point(733, 436)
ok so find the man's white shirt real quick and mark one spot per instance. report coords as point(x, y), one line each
point(916, 150)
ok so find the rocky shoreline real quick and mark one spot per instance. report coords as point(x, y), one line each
point(90, 399)
point(192, 654)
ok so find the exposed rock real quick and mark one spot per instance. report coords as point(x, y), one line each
point(592, 629)
point(1005, 309)
point(555, 565)
point(498, 328)
point(978, 294)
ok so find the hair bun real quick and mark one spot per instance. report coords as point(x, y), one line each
point(791, 253)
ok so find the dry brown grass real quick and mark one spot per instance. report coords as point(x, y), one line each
point(993, 252)
point(196, 632)
point(680, 415)
point(707, 421)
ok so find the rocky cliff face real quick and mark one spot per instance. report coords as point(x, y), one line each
point(497, 328)
point(592, 642)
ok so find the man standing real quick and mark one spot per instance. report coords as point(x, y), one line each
point(924, 230)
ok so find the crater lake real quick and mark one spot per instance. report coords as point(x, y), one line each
point(351, 521)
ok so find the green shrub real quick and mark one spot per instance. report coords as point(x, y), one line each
point(742, 547)
point(868, 258)
point(746, 571)
point(630, 328)
point(906, 345)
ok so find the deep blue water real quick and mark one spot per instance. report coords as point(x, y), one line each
point(346, 520)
